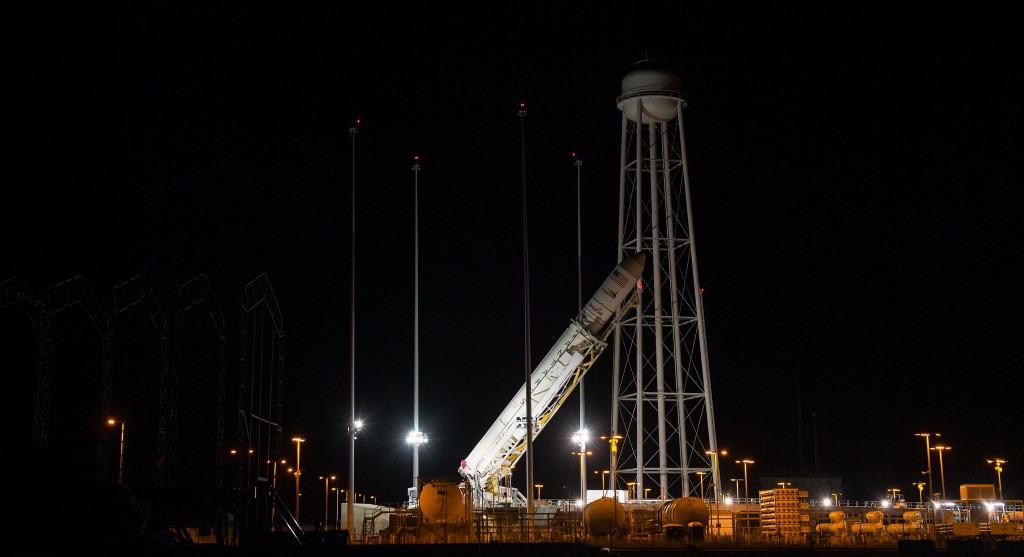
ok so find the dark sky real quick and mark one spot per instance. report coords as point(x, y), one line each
point(857, 204)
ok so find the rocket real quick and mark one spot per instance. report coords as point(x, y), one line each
point(552, 380)
point(603, 305)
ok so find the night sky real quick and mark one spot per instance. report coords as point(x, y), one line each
point(856, 196)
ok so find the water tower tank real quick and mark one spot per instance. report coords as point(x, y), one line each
point(656, 87)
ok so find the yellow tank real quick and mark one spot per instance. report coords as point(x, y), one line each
point(837, 516)
point(604, 517)
point(442, 501)
point(684, 511)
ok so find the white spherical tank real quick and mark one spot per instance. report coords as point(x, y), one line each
point(604, 517)
point(651, 92)
point(442, 502)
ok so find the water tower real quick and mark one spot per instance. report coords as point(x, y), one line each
point(662, 392)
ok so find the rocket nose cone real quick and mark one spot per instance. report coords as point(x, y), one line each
point(634, 264)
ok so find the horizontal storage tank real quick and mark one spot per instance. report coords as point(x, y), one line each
point(442, 501)
point(684, 512)
point(830, 527)
point(866, 528)
point(837, 516)
point(604, 517)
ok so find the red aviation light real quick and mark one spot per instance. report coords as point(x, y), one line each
point(639, 284)
point(416, 158)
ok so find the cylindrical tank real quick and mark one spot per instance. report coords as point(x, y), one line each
point(442, 501)
point(874, 516)
point(604, 517)
point(868, 528)
point(684, 511)
point(912, 516)
point(657, 88)
point(830, 527)
point(837, 516)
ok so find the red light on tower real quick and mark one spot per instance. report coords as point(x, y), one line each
point(639, 284)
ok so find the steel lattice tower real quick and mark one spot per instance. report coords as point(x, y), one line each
point(662, 392)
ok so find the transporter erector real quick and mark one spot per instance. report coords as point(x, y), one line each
point(551, 383)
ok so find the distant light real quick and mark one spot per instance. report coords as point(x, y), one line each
point(579, 503)
point(416, 158)
point(359, 424)
point(728, 499)
point(989, 506)
point(885, 504)
point(826, 501)
point(522, 105)
point(639, 285)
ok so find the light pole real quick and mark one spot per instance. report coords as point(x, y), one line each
point(715, 472)
point(120, 457)
point(746, 484)
point(327, 498)
point(350, 508)
point(836, 497)
point(942, 471)
point(920, 491)
point(538, 486)
point(603, 473)
point(581, 438)
point(337, 508)
point(298, 471)
point(737, 482)
point(928, 452)
point(646, 489)
point(894, 491)
point(613, 440)
point(416, 437)
point(352, 350)
point(999, 473)
point(701, 476)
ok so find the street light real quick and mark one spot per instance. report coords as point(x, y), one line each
point(999, 473)
point(942, 471)
point(602, 472)
point(327, 497)
point(538, 486)
point(646, 489)
point(701, 476)
point(120, 458)
point(337, 507)
point(737, 482)
point(894, 491)
point(928, 452)
point(920, 491)
point(298, 471)
point(836, 497)
point(613, 440)
point(714, 471)
point(746, 484)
